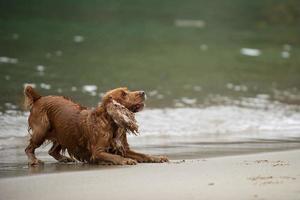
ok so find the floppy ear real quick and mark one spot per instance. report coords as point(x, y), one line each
point(122, 116)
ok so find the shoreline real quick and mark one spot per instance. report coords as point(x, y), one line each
point(272, 175)
point(177, 151)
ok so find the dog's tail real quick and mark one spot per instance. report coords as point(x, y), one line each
point(30, 96)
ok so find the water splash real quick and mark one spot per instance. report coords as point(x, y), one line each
point(91, 89)
point(8, 60)
point(78, 38)
point(250, 52)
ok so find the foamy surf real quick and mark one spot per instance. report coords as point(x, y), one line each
point(275, 121)
point(246, 122)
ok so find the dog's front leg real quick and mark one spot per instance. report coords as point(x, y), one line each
point(140, 157)
point(145, 158)
point(114, 159)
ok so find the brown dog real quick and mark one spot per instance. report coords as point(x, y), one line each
point(89, 135)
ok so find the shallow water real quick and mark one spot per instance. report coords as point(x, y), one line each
point(218, 80)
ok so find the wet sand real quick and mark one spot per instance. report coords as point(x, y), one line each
point(13, 161)
point(274, 175)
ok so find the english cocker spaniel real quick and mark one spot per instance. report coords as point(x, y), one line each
point(92, 135)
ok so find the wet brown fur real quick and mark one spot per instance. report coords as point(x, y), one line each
point(88, 135)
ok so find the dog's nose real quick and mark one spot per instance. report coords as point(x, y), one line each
point(143, 94)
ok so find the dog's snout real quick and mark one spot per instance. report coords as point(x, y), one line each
point(143, 94)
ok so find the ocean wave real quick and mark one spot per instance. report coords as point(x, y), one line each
point(245, 119)
point(220, 120)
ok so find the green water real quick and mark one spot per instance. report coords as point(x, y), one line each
point(137, 44)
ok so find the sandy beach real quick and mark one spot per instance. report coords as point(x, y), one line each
point(274, 175)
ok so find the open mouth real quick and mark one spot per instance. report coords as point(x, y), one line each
point(137, 107)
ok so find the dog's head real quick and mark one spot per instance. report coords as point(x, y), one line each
point(132, 100)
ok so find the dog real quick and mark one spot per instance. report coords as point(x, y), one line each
point(91, 135)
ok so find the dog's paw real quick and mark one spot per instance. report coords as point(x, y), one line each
point(159, 159)
point(35, 163)
point(128, 161)
point(163, 158)
point(65, 159)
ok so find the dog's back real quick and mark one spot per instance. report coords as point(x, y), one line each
point(54, 110)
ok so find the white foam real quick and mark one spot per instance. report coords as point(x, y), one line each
point(190, 23)
point(160, 96)
point(178, 104)
point(188, 101)
point(73, 88)
point(218, 120)
point(203, 47)
point(45, 86)
point(250, 52)
point(40, 68)
point(91, 89)
point(229, 85)
point(13, 124)
point(273, 121)
point(152, 93)
point(58, 53)
point(197, 88)
point(78, 38)
point(9, 105)
point(59, 90)
point(237, 88)
point(285, 54)
point(8, 60)
point(7, 77)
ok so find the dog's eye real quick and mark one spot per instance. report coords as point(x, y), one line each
point(124, 93)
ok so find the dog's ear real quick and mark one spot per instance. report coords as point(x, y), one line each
point(122, 116)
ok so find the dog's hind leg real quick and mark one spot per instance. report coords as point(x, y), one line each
point(37, 138)
point(55, 153)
